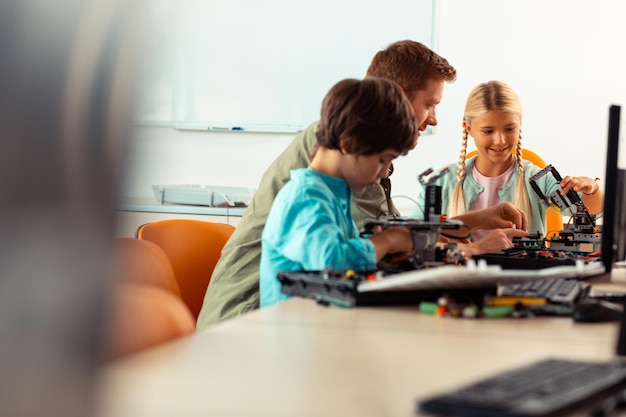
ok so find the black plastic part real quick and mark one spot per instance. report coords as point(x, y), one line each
point(334, 288)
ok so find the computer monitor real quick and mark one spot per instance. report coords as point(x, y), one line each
point(619, 228)
point(613, 246)
point(614, 219)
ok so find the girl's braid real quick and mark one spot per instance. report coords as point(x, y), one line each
point(520, 156)
point(460, 171)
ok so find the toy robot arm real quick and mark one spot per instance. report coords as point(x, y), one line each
point(563, 202)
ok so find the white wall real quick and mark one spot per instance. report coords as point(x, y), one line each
point(164, 156)
point(564, 59)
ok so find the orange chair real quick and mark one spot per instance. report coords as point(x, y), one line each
point(554, 219)
point(143, 262)
point(143, 316)
point(193, 247)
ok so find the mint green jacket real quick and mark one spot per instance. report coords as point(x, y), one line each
point(547, 184)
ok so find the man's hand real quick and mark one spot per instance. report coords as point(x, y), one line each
point(501, 216)
point(495, 241)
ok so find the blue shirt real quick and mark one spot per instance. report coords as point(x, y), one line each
point(547, 184)
point(309, 228)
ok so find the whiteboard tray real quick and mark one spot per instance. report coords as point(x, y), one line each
point(203, 195)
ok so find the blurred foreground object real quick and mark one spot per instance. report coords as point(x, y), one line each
point(65, 80)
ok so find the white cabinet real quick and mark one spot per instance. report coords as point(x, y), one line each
point(132, 214)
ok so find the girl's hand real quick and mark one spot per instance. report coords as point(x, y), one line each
point(593, 197)
point(583, 185)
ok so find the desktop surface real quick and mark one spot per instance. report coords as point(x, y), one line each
point(299, 358)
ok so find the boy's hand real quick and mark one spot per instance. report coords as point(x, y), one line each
point(396, 240)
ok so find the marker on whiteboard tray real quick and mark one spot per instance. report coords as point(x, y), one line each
point(226, 128)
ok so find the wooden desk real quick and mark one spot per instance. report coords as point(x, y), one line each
point(302, 359)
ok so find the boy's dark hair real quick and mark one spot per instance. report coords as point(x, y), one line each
point(410, 64)
point(369, 116)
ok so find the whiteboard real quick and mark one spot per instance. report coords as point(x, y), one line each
point(263, 63)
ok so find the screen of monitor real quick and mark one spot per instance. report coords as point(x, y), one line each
point(613, 233)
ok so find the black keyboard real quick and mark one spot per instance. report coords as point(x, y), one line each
point(546, 388)
point(556, 290)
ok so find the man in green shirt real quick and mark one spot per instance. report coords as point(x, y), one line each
point(234, 285)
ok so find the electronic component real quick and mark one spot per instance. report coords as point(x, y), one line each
point(532, 241)
point(426, 250)
point(527, 258)
point(342, 289)
point(432, 194)
point(584, 236)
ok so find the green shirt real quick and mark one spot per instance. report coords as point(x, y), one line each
point(234, 285)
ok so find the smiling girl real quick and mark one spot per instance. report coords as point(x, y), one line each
point(493, 118)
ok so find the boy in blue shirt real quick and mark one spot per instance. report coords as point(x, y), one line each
point(364, 126)
point(422, 73)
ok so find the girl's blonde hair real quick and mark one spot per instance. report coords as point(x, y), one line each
point(484, 98)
